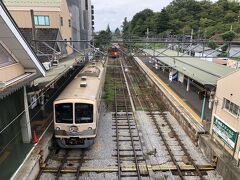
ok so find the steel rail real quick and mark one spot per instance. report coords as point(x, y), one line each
point(130, 131)
point(63, 161)
point(80, 164)
point(116, 121)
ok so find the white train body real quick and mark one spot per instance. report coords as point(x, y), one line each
point(76, 110)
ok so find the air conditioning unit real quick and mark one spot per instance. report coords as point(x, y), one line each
point(83, 84)
point(83, 78)
point(55, 62)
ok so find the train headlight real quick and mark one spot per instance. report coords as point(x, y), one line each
point(57, 128)
point(90, 128)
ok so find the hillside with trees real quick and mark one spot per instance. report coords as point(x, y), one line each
point(206, 18)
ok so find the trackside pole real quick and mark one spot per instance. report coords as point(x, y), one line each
point(203, 105)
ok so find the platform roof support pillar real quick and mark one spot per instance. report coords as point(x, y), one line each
point(188, 84)
point(25, 121)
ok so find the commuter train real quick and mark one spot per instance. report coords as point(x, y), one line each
point(115, 51)
point(76, 109)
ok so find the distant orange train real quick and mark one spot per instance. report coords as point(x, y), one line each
point(115, 51)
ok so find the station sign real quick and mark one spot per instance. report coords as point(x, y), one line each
point(173, 75)
point(224, 132)
point(180, 77)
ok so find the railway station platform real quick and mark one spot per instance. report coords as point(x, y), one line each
point(187, 76)
point(40, 98)
point(189, 97)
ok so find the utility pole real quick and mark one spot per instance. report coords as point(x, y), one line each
point(199, 34)
point(146, 45)
point(191, 39)
point(204, 104)
point(33, 31)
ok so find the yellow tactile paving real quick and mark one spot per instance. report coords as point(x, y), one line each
point(167, 88)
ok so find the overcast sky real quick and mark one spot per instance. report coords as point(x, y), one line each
point(112, 12)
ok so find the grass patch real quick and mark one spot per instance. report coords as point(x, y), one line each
point(109, 89)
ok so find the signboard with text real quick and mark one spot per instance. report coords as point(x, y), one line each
point(227, 134)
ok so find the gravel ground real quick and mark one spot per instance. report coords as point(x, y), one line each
point(152, 140)
point(195, 152)
point(101, 153)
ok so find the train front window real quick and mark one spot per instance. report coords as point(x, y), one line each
point(83, 113)
point(64, 113)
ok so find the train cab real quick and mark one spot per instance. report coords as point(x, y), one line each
point(75, 124)
point(115, 51)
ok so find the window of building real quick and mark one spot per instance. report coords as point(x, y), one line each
point(5, 56)
point(86, 4)
point(231, 107)
point(41, 20)
point(69, 23)
point(70, 39)
point(61, 21)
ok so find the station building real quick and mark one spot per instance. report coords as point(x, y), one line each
point(52, 14)
point(19, 66)
point(82, 22)
point(225, 124)
point(74, 18)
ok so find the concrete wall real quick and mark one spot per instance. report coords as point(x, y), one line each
point(74, 8)
point(82, 27)
point(229, 88)
point(85, 20)
point(224, 165)
point(65, 30)
point(31, 166)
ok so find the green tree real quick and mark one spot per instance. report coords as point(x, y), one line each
point(125, 28)
point(103, 39)
point(140, 22)
point(180, 16)
point(212, 44)
point(161, 22)
point(108, 29)
point(205, 22)
point(228, 36)
point(230, 16)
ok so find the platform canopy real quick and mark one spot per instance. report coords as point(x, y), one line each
point(17, 48)
point(202, 71)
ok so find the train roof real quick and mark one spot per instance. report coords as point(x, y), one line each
point(90, 76)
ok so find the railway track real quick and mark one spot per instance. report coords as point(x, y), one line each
point(129, 147)
point(155, 110)
point(62, 161)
